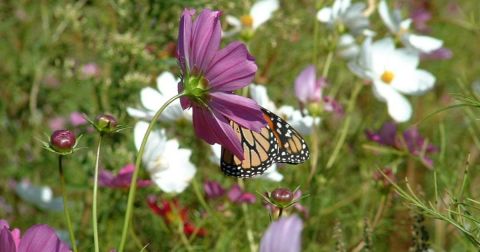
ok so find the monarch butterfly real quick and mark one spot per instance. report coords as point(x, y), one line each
point(277, 142)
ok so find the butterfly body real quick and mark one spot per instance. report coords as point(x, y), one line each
point(277, 142)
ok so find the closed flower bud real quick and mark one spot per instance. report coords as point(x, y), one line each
point(282, 196)
point(63, 141)
point(106, 123)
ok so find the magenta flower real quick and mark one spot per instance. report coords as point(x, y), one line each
point(283, 235)
point(122, 180)
point(37, 238)
point(213, 189)
point(77, 119)
point(237, 195)
point(308, 88)
point(410, 141)
point(209, 77)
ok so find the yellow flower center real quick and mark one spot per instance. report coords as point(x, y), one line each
point(246, 20)
point(387, 76)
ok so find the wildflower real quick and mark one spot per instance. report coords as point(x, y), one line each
point(90, 70)
point(282, 195)
point(344, 15)
point(283, 235)
point(260, 13)
point(401, 29)
point(152, 99)
point(439, 54)
point(77, 119)
point(39, 196)
point(37, 238)
point(271, 173)
point(56, 123)
point(237, 195)
point(210, 75)
point(213, 189)
point(347, 47)
point(122, 179)
point(172, 213)
point(168, 164)
point(308, 88)
point(410, 141)
point(393, 73)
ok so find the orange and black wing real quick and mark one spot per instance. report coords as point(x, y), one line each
point(277, 142)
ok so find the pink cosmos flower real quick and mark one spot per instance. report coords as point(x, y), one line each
point(122, 180)
point(36, 238)
point(283, 235)
point(307, 88)
point(209, 77)
point(77, 119)
point(90, 70)
point(237, 195)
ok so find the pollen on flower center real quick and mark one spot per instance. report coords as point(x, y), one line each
point(387, 76)
point(246, 20)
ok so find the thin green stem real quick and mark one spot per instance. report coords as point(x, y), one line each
point(95, 193)
point(346, 126)
point(251, 241)
point(65, 201)
point(138, 161)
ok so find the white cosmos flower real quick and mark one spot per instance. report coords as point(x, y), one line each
point(347, 47)
point(152, 99)
point(393, 73)
point(302, 123)
point(260, 13)
point(270, 174)
point(345, 14)
point(168, 164)
point(401, 29)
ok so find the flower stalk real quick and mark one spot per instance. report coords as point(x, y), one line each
point(138, 161)
point(65, 200)
point(95, 196)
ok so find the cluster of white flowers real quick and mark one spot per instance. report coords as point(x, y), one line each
point(392, 71)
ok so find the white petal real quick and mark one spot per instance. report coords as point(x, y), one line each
point(303, 124)
point(405, 24)
point(151, 99)
point(347, 47)
point(216, 153)
point(259, 94)
point(424, 44)
point(272, 174)
point(387, 17)
point(179, 170)
point(399, 107)
point(138, 113)
point(362, 65)
point(262, 11)
point(167, 84)
point(233, 21)
point(325, 15)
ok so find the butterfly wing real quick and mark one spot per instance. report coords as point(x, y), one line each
point(292, 147)
point(259, 150)
point(277, 142)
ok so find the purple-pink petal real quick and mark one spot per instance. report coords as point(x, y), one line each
point(232, 68)
point(214, 128)
point(7, 244)
point(283, 235)
point(77, 119)
point(122, 180)
point(206, 35)
point(385, 136)
point(439, 54)
point(41, 238)
point(305, 84)
point(237, 195)
point(213, 189)
point(184, 39)
point(239, 109)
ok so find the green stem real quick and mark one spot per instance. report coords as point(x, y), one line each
point(138, 161)
point(65, 208)
point(346, 126)
point(250, 238)
point(95, 193)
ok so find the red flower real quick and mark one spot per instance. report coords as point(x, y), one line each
point(172, 212)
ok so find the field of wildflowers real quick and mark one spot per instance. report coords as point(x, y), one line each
point(123, 122)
